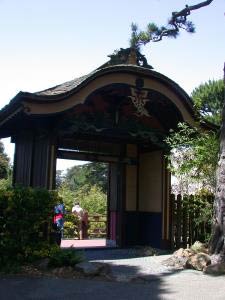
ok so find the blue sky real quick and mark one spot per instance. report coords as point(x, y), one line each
point(47, 42)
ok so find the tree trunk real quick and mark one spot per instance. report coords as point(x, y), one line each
point(217, 242)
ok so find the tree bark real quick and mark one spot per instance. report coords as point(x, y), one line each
point(186, 11)
point(217, 242)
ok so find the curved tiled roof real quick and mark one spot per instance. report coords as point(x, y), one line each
point(65, 90)
point(64, 87)
point(71, 86)
point(68, 88)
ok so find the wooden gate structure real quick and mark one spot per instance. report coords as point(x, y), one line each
point(119, 114)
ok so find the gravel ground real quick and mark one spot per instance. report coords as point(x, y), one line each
point(183, 285)
point(116, 253)
point(125, 266)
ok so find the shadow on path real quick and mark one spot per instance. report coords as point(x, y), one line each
point(135, 278)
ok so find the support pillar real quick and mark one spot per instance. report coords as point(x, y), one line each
point(22, 167)
point(34, 160)
point(44, 162)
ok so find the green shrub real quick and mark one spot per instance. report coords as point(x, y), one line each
point(92, 199)
point(41, 250)
point(66, 257)
point(71, 226)
point(25, 222)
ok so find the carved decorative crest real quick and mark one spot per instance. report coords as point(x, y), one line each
point(139, 99)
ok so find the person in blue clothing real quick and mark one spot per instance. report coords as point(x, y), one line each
point(58, 222)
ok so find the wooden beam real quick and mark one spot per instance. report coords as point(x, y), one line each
point(89, 146)
point(73, 155)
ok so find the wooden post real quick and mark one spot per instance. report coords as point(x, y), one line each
point(172, 221)
point(184, 222)
point(190, 219)
point(179, 222)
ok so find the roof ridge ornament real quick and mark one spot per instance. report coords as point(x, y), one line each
point(129, 56)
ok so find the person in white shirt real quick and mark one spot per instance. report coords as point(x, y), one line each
point(78, 211)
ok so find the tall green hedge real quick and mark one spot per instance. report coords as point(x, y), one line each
point(25, 221)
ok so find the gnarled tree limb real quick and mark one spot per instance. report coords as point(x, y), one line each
point(179, 18)
point(177, 21)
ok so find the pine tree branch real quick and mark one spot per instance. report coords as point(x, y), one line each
point(178, 21)
point(180, 16)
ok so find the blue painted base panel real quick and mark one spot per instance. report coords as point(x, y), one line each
point(143, 228)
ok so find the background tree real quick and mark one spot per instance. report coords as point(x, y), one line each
point(4, 163)
point(59, 178)
point(208, 100)
point(193, 158)
point(195, 152)
point(87, 184)
point(67, 195)
point(90, 174)
point(94, 200)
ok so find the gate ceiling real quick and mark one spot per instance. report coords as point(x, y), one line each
point(120, 111)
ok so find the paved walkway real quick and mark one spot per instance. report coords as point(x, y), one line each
point(91, 243)
point(136, 278)
point(185, 285)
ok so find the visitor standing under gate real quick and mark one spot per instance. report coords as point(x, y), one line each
point(58, 222)
point(82, 215)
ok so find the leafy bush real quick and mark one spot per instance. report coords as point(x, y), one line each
point(70, 226)
point(25, 221)
point(4, 163)
point(67, 195)
point(92, 199)
point(5, 184)
point(66, 257)
point(194, 156)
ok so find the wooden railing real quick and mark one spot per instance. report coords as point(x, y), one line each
point(97, 226)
